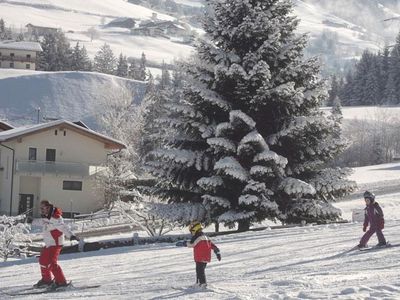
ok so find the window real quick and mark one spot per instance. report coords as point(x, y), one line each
point(12, 54)
point(28, 56)
point(55, 132)
point(32, 153)
point(27, 66)
point(72, 185)
point(11, 65)
point(50, 154)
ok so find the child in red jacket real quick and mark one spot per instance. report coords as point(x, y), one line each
point(202, 247)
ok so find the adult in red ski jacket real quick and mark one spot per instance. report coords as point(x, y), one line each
point(374, 218)
point(54, 230)
point(202, 247)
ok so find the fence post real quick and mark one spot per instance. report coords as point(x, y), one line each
point(81, 245)
point(136, 238)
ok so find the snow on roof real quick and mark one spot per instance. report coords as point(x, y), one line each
point(38, 26)
point(5, 126)
point(31, 129)
point(22, 45)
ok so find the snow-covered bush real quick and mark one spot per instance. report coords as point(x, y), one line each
point(13, 236)
point(148, 214)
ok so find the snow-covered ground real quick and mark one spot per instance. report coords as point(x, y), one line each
point(69, 95)
point(75, 17)
point(296, 263)
point(368, 112)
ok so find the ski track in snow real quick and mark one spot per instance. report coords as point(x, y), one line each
point(310, 262)
point(296, 263)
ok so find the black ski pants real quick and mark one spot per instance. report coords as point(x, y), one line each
point(200, 272)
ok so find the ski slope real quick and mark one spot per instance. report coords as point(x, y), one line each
point(295, 263)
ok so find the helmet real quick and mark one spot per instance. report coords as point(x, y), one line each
point(195, 227)
point(369, 195)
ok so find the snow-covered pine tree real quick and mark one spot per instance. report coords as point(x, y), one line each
point(251, 62)
point(104, 60)
point(245, 170)
point(392, 89)
point(165, 80)
point(372, 89)
point(122, 66)
point(334, 90)
point(142, 68)
point(47, 57)
point(76, 58)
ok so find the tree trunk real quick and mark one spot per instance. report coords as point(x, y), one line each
point(243, 225)
point(216, 224)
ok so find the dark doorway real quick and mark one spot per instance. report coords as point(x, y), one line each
point(25, 204)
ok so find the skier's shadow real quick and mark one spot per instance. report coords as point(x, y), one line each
point(179, 294)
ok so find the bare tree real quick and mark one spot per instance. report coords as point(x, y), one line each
point(93, 33)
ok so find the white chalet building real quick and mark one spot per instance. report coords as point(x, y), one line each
point(19, 55)
point(57, 161)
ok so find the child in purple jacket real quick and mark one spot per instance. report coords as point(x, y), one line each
point(373, 217)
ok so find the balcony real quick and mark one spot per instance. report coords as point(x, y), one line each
point(57, 168)
point(17, 58)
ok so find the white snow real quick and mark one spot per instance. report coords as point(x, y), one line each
point(367, 112)
point(68, 95)
point(293, 263)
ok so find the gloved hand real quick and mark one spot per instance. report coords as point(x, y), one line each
point(74, 238)
point(181, 244)
point(218, 256)
point(364, 228)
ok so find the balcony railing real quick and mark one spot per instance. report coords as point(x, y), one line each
point(17, 58)
point(57, 168)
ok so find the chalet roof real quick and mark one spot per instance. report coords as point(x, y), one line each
point(32, 129)
point(42, 27)
point(121, 19)
point(22, 45)
point(5, 126)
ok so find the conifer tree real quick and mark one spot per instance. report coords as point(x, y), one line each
point(122, 66)
point(165, 80)
point(104, 61)
point(250, 142)
point(142, 68)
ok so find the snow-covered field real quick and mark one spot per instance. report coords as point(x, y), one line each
point(297, 263)
point(75, 17)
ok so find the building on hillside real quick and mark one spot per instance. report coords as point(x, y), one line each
point(59, 161)
point(19, 55)
point(5, 126)
point(38, 31)
point(160, 28)
point(122, 23)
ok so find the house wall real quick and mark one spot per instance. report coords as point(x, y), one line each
point(71, 148)
point(5, 179)
point(20, 59)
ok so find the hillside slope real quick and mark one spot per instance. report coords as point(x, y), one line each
point(68, 95)
point(76, 17)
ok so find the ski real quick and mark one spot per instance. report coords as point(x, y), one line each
point(388, 245)
point(35, 291)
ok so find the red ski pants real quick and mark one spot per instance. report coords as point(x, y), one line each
point(48, 264)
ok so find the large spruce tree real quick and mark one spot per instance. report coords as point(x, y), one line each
point(248, 140)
